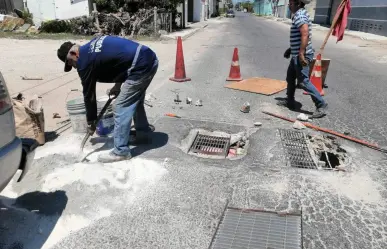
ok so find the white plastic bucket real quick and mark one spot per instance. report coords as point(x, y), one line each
point(77, 113)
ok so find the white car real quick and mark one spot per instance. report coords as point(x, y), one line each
point(15, 153)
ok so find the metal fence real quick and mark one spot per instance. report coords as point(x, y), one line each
point(6, 6)
point(162, 20)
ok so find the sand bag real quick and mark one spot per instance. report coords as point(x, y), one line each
point(29, 119)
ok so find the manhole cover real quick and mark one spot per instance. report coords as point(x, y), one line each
point(297, 150)
point(258, 230)
point(210, 145)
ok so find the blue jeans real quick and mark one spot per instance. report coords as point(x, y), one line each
point(297, 72)
point(130, 104)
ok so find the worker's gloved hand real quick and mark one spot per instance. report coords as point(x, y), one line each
point(91, 127)
point(115, 91)
point(287, 53)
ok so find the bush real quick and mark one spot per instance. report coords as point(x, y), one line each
point(27, 17)
point(55, 26)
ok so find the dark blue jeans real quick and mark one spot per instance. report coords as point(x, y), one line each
point(297, 72)
point(130, 104)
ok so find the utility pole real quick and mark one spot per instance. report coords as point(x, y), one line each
point(183, 14)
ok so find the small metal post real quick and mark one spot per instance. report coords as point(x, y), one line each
point(170, 22)
point(155, 18)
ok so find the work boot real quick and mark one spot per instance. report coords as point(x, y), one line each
point(112, 157)
point(320, 112)
point(291, 104)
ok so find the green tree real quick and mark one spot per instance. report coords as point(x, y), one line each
point(247, 5)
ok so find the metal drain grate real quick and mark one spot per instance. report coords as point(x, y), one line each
point(297, 150)
point(258, 230)
point(210, 145)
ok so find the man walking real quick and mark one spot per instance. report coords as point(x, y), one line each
point(131, 66)
point(301, 53)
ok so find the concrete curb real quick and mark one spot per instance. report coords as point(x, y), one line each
point(194, 32)
point(183, 37)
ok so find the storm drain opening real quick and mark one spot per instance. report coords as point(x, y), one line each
point(330, 155)
point(210, 145)
point(216, 144)
point(330, 159)
point(248, 229)
point(313, 151)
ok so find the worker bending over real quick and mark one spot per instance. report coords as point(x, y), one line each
point(132, 66)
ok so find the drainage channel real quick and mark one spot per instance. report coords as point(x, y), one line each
point(242, 228)
point(313, 152)
point(216, 145)
point(210, 145)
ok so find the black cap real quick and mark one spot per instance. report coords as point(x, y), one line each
point(62, 54)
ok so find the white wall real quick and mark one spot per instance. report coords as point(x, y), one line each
point(41, 10)
point(311, 8)
point(65, 9)
point(44, 10)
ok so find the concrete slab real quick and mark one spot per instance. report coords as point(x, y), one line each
point(23, 28)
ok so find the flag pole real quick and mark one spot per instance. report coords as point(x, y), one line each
point(335, 19)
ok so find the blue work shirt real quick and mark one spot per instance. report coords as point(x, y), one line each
point(107, 59)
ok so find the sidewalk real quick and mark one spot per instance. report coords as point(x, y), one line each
point(55, 86)
point(190, 30)
point(20, 57)
point(358, 34)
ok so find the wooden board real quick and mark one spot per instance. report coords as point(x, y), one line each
point(259, 85)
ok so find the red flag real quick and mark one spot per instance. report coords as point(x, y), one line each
point(342, 14)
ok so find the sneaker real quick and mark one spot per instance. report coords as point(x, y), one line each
point(286, 103)
point(320, 112)
point(111, 157)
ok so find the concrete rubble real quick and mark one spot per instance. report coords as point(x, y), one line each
point(302, 117)
point(329, 152)
point(298, 125)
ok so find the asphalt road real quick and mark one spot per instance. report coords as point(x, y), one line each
point(356, 76)
point(164, 198)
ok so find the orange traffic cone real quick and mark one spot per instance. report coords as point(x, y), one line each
point(235, 71)
point(316, 76)
point(179, 67)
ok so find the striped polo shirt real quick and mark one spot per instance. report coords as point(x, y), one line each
point(300, 17)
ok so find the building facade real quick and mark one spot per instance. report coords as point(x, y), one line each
point(263, 7)
point(279, 8)
point(197, 10)
point(44, 10)
point(367, 16)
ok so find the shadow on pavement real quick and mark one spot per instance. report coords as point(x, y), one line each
point(159, 139)
point(51, 136)
point(27, 221)
point(297, 107)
